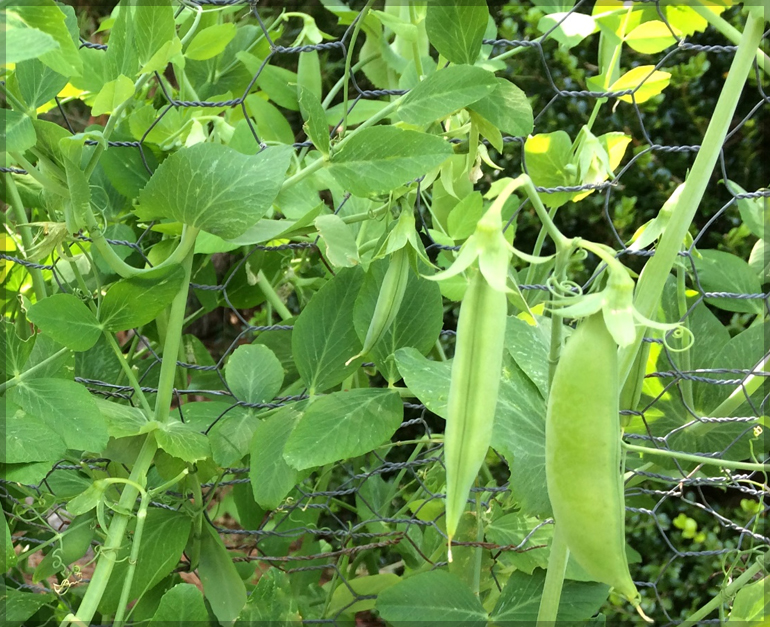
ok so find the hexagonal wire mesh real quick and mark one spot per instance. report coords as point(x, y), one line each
point(350, 514)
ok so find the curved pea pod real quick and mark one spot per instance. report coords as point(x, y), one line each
point(475, 381)
point(388, 301)
point(582, 456)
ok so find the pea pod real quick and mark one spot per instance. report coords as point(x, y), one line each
point(475, 381)
point(582, 456)
point(388, 302)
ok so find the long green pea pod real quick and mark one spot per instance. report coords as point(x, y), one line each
point(222, 585)
point(473, 389)
point(388, 301)
point(582, 456)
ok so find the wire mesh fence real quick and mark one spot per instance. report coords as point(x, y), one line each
point(365, 512)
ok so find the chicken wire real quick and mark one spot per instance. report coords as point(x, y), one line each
point(346, 534)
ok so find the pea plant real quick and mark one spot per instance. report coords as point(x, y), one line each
point(411, 407)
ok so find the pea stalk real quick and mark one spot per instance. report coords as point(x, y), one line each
point(650, 286)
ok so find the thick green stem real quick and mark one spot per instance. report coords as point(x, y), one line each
point(554, 581)
point(272, 297)
point(115, 535)
point(698, 459)
point(20, 214)
point(653, 279)
point(728, 592)
point(171, 345)
point(4, 387)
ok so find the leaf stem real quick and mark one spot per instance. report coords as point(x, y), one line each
point(698, 459)
point(728, 592)
point(171, 345)
point(126, 367)
point(20, 214)
point(348, 60)
point(272, 297)
point(653, 279)
point(554, 581)
point(11, 383)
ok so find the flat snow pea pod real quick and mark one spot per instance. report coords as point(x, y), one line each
point(388, 301)
point(475, 381)
point(582, 456)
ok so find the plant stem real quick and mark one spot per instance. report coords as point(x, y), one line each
point(115, 535)
point(272, 297)
point(348, 60)
point(43, 179)
point(653, 279)
point(17, 104)
point(698, 459)
point(729, 31)
point(684, 356)
point(478, 553)
point(126, 367)
point(726, 593)
point(28, 373)
point(171, 345)
point(554, 580)
point(20, 214)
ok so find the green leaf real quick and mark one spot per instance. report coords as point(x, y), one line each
point(154, 27)
point(230, 436)
point(456, 29)
point(428, 380)
point(271, 477)
point(87, 500)
point(163, 541)
point(22, 43)
point(38, 83)
point(271, 603)
point(463, 218)
point(46, 16)
point(68, 410)
point(379, 159)
point(341, 247)
point(216, 189)
point(183, 441)
point(222, 585)
point(314, 115)
point(446, 91)
point(210, 42)
point(324, 336)
point(182, 605)
point(28, 438)
point(14, 351)
point(136, 301)
point(122, 420)
point(417, 324)
point(345, 603)
point(343, 425)
point(112, 95)
point(507, 108)
point(569, 29)
point(651, 37)
point(254, 374)
point(719, 271)
point(121, 57)
point(755, 212)
point(750, 603)
point(17, 607)
point(759, 260)
point(520, 599)
point(17, 133)
point(528, 345)
point(645, 79)
point(67, 320)
point(548, 157)
point(437, 597)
